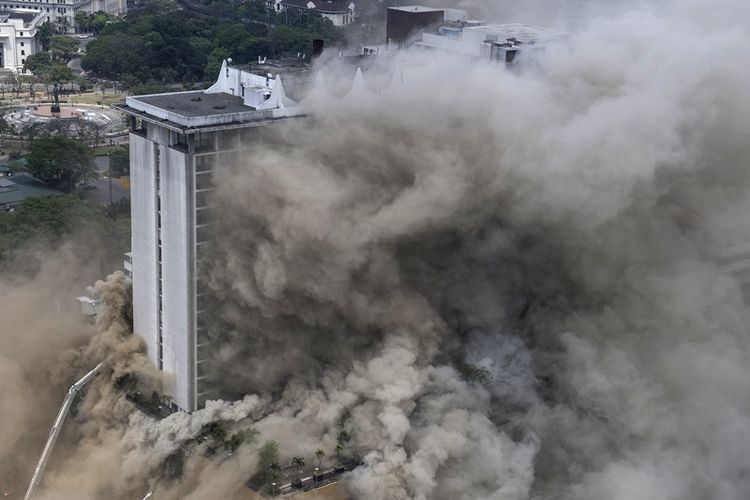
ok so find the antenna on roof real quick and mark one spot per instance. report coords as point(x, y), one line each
point(229, 60)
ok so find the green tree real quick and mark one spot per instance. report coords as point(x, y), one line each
point(319, 454)
point(236, 439)
point(253, 9)
point(120, 162)
point(82, 21)
point(155, 6)
point(63, 48)
point(31, 131)
point(58, 73)
point(46, 220)
point(83, 84)
point(5, 129)
point(38, 63)
point(48, 71)
point(299, 464)
point(60, 162)
point(98, 21)
point(44, 35)
point(215, 59)
point(268, 461)
point(148, 88)
point(215, 430)
point(342, 441)
point(286, 41)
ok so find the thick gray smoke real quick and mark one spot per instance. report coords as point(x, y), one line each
point(566, 14)
point(503, 285)
point(554, 231)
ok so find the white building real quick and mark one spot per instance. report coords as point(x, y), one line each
point(176, 142)
point(17, 32)
point(497, 42)
point(340, 12)
point(61, 12)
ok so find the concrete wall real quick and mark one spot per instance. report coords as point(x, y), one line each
point(177, 275)
point(144, 243)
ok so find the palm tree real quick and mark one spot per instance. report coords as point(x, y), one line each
point(298, 463)
point(85, 172)
point(319, 454)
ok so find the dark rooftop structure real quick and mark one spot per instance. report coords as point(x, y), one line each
point(190, 104)
point(403, 23)
point(15, 189)
point(26, 16)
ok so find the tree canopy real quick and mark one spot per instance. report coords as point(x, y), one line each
point(44, 35)
point(48, 69)
point(46, 221)
point(60, 162)
point(63, 48)
point(91, 23)
point(150, 46)
point(120, 162)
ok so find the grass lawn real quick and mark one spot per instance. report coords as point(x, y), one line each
point(105, 150)
point(95, 98)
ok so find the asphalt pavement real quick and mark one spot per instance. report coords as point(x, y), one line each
point(99, 191)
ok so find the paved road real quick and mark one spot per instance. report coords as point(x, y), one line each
point(75, 63)
point(100, 194)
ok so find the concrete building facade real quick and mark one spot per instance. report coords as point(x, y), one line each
point(177, 141)
point(17, 36)
point(61, 12)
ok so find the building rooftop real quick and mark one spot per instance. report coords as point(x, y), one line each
point(417, 8)
point(17, 188)
point(26, 15)
point(526, 33)
point(238, 96)
point(322, 5)
point(479, 40)
point(195, 103)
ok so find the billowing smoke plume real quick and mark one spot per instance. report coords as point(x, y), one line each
point(551, 233)
point(498, 284)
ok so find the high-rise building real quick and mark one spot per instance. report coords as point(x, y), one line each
point(176, 141)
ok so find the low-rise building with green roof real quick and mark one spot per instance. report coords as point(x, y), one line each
point(16, 188)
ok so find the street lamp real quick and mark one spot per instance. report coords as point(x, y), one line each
point(273, 489)
point(315, 475)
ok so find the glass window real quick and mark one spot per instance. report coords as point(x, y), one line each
point(203, 216)
point(204, 180)
point(202, 199)
point(204, 163)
